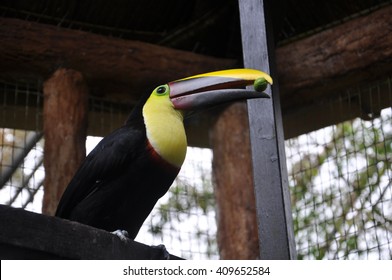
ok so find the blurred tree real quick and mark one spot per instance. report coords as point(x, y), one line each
point(20, 160)
point(341, 188)
point(12, 142)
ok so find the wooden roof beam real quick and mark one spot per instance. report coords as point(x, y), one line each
point(113, 67)
point(311, 72)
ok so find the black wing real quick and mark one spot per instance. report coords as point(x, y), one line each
point(115, 152)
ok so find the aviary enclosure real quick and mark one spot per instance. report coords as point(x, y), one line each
point(335, 86)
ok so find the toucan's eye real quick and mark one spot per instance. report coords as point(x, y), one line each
point(161, 90)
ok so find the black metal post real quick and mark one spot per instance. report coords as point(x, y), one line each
point(276, 236)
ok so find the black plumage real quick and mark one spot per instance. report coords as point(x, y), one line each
point(119, 182)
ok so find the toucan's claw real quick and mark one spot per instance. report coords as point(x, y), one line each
point(122, 234)
point(165, 255)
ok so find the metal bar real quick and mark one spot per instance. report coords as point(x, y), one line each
point(32, 139)
point(25, 182)
point(33, 193)
point(276, 235)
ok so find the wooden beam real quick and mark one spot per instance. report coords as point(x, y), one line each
point(232, 171)
point(29, 235)
point(358, 50)
point(65, 126)
point(311, 72)
point(115, 67)
point(365, 102)
point(323, 65)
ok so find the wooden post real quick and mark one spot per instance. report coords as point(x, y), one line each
point(232, 169)
point(65, 124)
point(276, 235)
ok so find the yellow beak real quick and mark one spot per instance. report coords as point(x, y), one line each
point(206, 90)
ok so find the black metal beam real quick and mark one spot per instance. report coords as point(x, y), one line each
point(276, 236)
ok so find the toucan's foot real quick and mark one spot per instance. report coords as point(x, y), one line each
point(122, 234)
point(164, 253)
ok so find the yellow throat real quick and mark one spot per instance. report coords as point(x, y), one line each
point(165, 127)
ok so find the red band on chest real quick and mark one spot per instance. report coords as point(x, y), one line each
point(168, 167)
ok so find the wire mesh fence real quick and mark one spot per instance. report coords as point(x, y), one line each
point(340, 179)
point(341, 184)
point(21, 170)
point(183, 220)
point(21, 146)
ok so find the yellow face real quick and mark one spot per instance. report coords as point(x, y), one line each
point(164, 126)
point(163, 115)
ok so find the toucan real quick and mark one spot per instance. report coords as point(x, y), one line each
point(122, 178)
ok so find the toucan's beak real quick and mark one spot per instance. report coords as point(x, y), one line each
point(206, 90)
